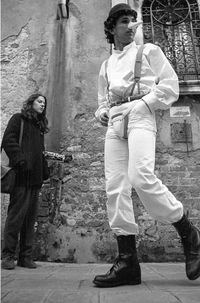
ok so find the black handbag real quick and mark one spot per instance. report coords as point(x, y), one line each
point(7, 179)
point(8, 173)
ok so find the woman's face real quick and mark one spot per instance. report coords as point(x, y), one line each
point(39, 105)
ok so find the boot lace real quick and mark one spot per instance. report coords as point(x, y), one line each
point(115, 265)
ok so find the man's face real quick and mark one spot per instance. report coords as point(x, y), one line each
point(123, 32)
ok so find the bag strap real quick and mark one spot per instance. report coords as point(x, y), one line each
point(4, 157)
point(21, 132)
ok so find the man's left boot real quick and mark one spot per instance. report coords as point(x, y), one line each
point(190, 237)
point(126, 269)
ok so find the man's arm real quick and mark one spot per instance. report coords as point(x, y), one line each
point(166, 90)
point(102, 112)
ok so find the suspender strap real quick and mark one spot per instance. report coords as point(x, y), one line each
point(106, 74)
point(138, 63)
point(137, 71)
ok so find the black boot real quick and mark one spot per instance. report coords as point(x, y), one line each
point(8, 262)
point(126, 269)
point(190, 237)
point(26, 262)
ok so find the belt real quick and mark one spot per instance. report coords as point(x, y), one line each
point(125, 100)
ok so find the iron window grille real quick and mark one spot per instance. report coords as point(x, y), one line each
point(174, 25)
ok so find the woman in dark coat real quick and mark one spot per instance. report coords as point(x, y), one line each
point(31, 169)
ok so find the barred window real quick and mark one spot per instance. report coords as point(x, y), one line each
point(174, 25)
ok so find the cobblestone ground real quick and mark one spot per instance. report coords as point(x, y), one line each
point(72, 283)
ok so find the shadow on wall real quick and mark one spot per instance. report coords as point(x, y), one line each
point(60, 74)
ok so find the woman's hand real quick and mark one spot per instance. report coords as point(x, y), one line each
point(22, 167)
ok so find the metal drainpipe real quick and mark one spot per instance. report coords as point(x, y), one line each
point(62, 9)
point(137, 5)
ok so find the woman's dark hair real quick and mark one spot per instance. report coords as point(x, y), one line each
point(29, 112)
point(110, 23)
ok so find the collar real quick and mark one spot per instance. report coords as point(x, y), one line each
point(130, 45)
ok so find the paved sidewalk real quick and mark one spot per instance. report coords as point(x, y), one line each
point(72, 283)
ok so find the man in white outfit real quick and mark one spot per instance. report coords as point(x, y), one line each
point(129, 162)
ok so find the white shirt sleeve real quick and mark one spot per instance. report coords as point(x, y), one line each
point(166, 91)
point(102, 92)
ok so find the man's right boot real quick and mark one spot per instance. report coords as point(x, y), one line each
point(126, 269)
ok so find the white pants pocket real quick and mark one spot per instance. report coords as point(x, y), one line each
point(120, 124)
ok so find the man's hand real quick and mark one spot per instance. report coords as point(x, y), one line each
point(104, 119)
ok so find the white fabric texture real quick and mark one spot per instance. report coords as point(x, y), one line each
point(130, 163)
point(158, 80)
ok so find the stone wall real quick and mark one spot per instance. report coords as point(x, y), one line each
point(72, 224)
point(79, 231)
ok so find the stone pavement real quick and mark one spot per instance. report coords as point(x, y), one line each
point(72, 283)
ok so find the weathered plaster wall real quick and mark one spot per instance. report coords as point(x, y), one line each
point(26, 32)
point(72, 223)
point(29, 62)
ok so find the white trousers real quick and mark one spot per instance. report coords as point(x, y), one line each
point(130, 163)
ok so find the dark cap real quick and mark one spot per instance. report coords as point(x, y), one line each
point(120, 7)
